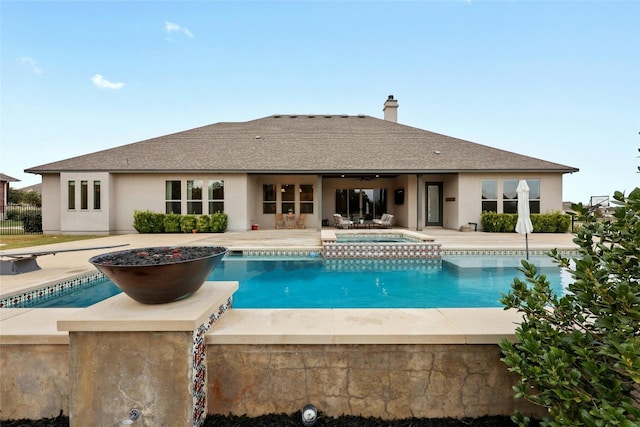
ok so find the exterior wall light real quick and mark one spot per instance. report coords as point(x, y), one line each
point(309, 415)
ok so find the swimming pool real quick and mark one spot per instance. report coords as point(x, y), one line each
point(460, 282)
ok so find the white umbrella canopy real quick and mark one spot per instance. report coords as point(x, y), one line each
point(524, 226)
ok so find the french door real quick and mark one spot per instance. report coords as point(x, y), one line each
point(433, 193)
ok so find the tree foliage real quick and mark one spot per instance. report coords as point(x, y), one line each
point(578, 354)
point(23, 197)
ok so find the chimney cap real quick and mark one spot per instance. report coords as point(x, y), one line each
point(390, 98)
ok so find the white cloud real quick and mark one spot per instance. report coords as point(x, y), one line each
point(31, 63)
point(103, 83)
point(172, 27)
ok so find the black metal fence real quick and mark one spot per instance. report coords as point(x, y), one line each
point(20, 219)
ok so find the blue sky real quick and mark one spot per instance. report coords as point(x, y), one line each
point(557, 80)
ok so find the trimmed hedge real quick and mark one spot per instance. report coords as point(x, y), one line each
point(552, 222)
point(154, 222)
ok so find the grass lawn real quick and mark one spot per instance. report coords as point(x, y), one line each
point(25, 240)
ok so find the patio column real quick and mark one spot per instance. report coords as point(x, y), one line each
point(319, 213)
point(419, 200)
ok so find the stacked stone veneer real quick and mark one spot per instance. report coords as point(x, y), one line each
point(386, 381)
point(381, 250)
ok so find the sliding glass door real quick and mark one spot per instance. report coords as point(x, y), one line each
point(366, 203)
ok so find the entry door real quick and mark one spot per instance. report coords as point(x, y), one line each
point(434, 203)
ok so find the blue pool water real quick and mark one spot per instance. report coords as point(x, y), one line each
point(374, 238)
point(316, 283)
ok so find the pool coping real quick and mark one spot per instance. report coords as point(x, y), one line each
point(302, 326)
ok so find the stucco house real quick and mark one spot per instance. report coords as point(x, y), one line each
point(5, 183)
point(359, 166)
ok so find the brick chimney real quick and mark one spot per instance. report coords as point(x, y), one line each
point(391, 109)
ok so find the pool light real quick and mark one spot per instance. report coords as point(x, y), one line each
point(309, 415)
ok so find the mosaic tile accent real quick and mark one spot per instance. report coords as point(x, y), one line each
point(381, 250)
point(505, 252)
point(281, 252)
point(360, 264)
point(199, 390)
point(33, 296)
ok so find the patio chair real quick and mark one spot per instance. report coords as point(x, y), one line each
point(279, 220)
point(300, 222)
point(341, 222)
point(384, 222)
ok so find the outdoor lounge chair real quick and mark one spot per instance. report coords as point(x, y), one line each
point(384, 222)
point(341, 222)
point(300, 222)
point(279, 220)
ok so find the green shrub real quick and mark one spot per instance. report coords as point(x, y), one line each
point(157, 223)
point(187, 223)
point(553, 222)
point(203, 223)
point(578, 355)
point(498, 223)
point(172, 223)
point(32, 222)
point(142, 221)
point(219, 222)
point(13, 214)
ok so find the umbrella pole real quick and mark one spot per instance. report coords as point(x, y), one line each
point(526, 244)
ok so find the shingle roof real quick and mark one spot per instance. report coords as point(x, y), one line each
point(304, 143)
point(7, 178)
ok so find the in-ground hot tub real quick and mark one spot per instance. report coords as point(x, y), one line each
point(388, 244)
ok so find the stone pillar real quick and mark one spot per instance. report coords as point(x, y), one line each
point(151, 358)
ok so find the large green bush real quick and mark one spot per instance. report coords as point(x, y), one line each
point(578, 355)
point(219, 222)
point(142, 221)
point(203, 223)
point(32, 222)
point(187, 223)
point(153, 222)
point(553, 222)
point(172, 223)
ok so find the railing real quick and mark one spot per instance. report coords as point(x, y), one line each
point(18, 219)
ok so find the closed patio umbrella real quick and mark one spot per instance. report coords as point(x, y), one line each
point(524, 226)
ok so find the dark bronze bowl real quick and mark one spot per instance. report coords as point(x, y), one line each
point(161, 274)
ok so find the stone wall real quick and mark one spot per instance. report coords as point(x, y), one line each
point(34, 381)
point(386, 381)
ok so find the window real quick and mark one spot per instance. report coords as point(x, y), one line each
point(96, 195)
point(288, 198)
point(71, 195)
point(490, 195)
point(534, 195)
point(269, 198)
point(365, 203)
point(306, 199)
point(216, 196)
point(194, 197)
point(173, 196)
point(84, 195)
point(510, 195)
